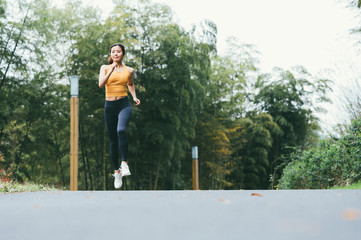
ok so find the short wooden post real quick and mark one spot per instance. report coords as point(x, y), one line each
point(195, 175)
point(74, 132)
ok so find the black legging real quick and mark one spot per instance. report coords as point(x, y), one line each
point(117, 115)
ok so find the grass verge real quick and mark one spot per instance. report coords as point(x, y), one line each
point(14, 187)
point(352, 186)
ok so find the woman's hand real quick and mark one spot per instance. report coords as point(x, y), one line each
point(113, 66)
point(137, 101)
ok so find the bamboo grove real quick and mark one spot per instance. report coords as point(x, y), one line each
point(245, 123)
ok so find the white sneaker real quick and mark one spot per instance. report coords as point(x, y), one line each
point(124, 168)
point(117, 180)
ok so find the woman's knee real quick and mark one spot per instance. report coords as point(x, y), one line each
point(121, 131)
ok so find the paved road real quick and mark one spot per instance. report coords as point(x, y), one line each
point(186, 215)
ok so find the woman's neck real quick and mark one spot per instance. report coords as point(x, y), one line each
point(120, 63)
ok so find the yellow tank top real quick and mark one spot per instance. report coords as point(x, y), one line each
point(116, 85)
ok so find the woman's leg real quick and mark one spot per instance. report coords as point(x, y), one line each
point(123, 121)
point(111, 121)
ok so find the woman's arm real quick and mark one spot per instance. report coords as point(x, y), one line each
point(103, 77)
point(131, 87)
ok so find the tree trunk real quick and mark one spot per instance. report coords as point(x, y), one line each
point(157, 176)
point(58, 157)
point(158, 170)
point(104, 161)
point(83, 153)
point(13, 52)
point(6, 44)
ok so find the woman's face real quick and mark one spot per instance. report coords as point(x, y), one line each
point(116, 54)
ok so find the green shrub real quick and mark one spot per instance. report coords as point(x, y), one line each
point(332, 163)
point(5, 174)
point(9, 185)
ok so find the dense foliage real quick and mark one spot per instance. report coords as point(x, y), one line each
point(244, 122)
point(334, 162)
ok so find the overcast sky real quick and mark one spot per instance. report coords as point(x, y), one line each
point(311, 33)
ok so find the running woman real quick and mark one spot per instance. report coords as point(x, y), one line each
point(117, 80)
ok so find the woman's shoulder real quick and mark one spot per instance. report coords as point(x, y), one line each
point(104, 67)
point(130, 70)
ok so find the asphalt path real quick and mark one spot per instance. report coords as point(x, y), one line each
point(186, 215)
